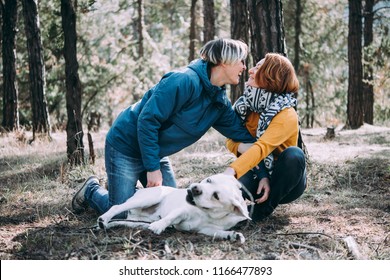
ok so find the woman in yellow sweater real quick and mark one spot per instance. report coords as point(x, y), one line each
point(273, 168)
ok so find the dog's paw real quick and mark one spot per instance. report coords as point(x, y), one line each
point(157, 227)
point(102, 224)
point(237, 236)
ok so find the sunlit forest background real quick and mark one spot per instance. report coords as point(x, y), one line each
point(113, 74)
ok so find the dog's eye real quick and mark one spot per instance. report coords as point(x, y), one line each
point(215, 195)
point(208, 180)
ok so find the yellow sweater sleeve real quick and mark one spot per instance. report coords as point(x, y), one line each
point(232, 146)
point(281, 133)
point(251, 125)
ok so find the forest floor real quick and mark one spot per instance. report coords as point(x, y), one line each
point(344, 213)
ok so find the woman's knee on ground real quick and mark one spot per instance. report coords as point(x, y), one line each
point(292, 155)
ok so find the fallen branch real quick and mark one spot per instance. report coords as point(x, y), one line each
point(300, 233)
point(299, 245)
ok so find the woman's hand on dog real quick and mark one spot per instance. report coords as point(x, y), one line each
point(230, 171)
point(264, 187)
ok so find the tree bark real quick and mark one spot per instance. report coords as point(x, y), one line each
point(309, 99)
point(267, 28)
point(209, 20)
point(298, 30)
point(355, 79)
point(191, 56)
point(140, 28)
point(41, 120)
point(10, 89)
point(240, 31)
point(74, 129)
point(1, 20)
point(368, 87)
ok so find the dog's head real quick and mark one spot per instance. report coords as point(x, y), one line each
point(219, 195)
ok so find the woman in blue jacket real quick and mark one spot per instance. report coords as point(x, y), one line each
point(172, 115)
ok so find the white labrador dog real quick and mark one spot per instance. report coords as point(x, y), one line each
point(210, 207)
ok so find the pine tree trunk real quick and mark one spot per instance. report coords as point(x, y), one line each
point(140, 29)
point(10, 89)
point(298, 30)
point(309, 98)
point(368, 87)
point(1, 20)
point(41, 120)
point(191, 56)
point(239, 31)
point(355, 79)
point(74, 130)
point(267, 28)
point(209, 20)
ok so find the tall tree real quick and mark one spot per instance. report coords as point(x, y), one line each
point(191, 56)
point(140, 28)
point(267, 28)
point(298, 30)
point(41, 120)
point(309, 98)
point(74, 129)
point(209, 20)
point(10, 89)
point(304, 70)
point(355, 68)
point(368, 87)
point(239, 29)
point(1, 20)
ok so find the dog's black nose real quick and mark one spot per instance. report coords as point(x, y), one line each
point(196, 191)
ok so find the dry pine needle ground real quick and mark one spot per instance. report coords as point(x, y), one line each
point(344, 214)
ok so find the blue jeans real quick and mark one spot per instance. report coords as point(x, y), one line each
point(287, 182)
point(123, 172)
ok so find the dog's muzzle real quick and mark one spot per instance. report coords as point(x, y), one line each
point(190, 197)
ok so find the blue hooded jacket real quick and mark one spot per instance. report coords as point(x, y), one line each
point(174, 114)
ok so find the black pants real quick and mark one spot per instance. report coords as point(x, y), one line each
point(287, 182)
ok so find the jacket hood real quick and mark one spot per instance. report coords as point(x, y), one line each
point(200, 67)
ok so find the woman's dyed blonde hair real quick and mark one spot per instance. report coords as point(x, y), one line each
point(227, 51)
point(277, 74)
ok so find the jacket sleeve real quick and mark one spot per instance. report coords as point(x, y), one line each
point(168, 96)
point(230, 125)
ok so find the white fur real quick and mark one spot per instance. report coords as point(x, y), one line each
point(216, 206)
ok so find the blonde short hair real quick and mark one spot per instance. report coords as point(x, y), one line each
point(277, 74)
point(227, 51)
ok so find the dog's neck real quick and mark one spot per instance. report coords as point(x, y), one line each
point(228, 220)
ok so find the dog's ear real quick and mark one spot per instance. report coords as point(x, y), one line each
point(240, 209)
